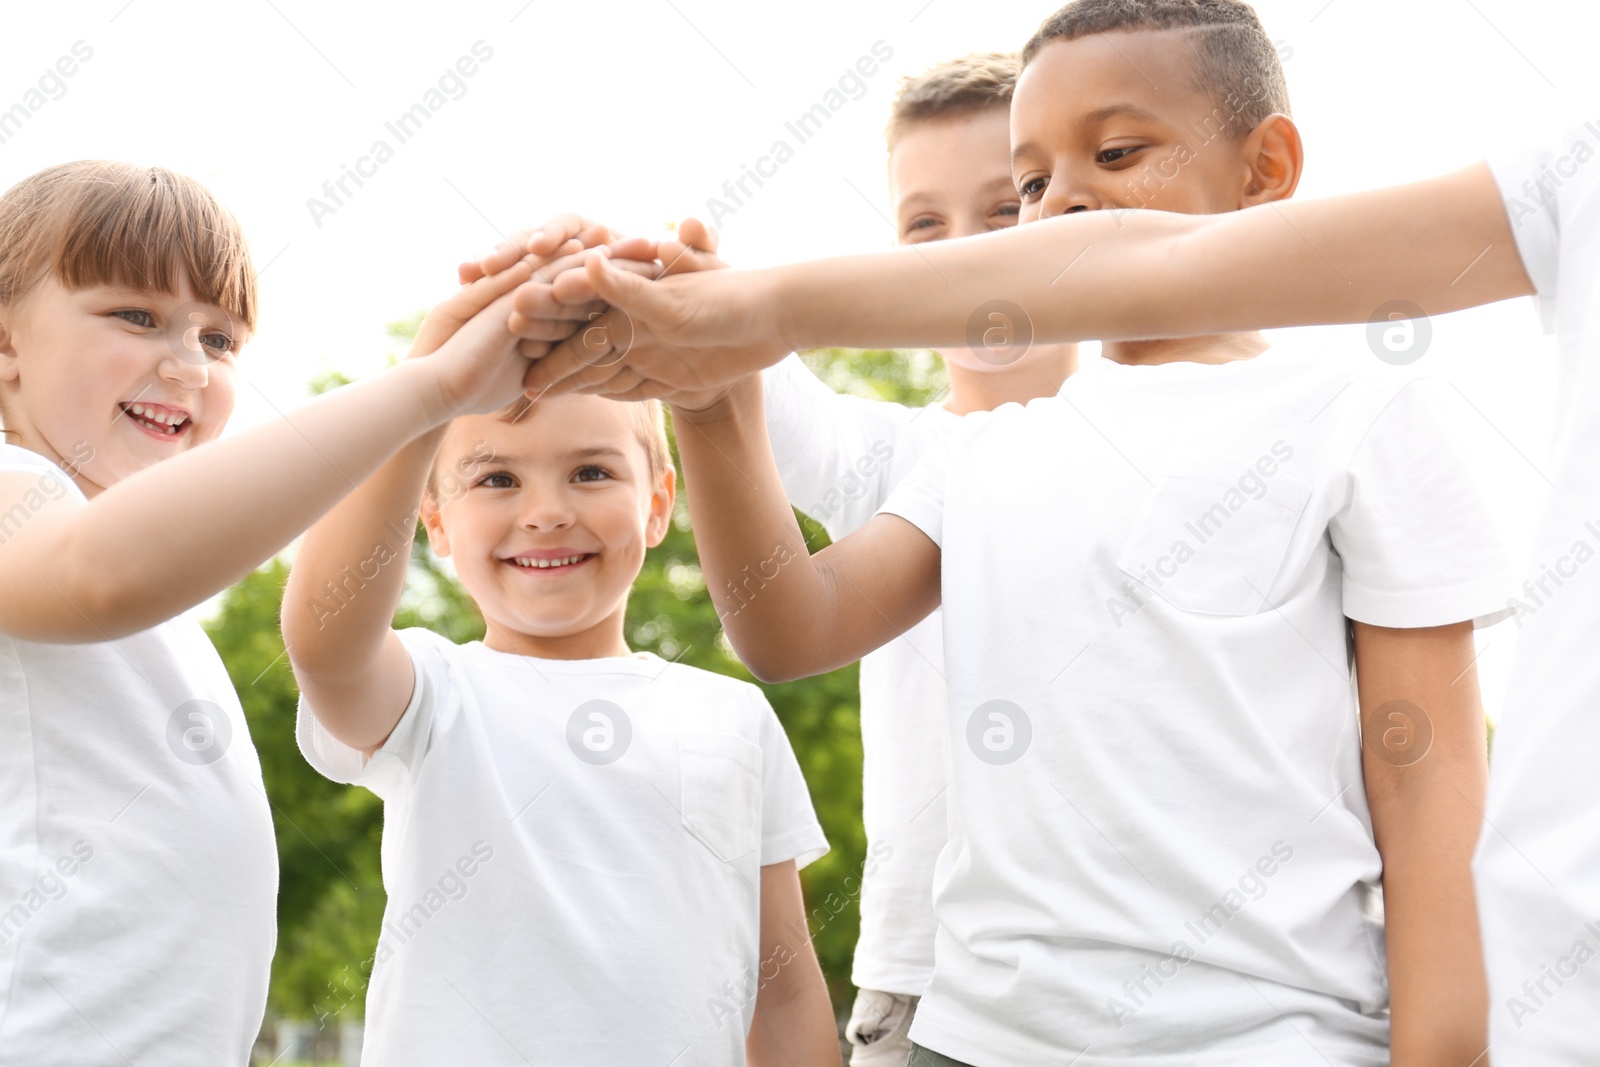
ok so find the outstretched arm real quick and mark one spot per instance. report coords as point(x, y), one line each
point(348, 576)
point(790, 614)
point(1442, 245)
point(162, 541)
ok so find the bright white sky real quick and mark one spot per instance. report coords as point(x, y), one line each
point(636, 112)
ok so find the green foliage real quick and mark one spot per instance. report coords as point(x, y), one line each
point(331, 895)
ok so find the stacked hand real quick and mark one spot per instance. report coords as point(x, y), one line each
point(631, 318)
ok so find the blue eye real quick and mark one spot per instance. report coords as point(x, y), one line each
point(132, 315)
point(218, 340)
point(598, 474)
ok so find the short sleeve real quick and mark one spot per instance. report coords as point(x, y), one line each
point(920, 498)
point(1545, 189)
point(835, 453)
point(392, 767)
point(1418, 544)
point(14, 460)
point(789, 827)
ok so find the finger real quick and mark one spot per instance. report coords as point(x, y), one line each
point(533, 329)
point(563, 228)
point(645, 390)
point(569, 257)
point(475, 296)
point(591, 355)
point(574, 286)
point(640, 300)
point(679, 258)
point(538, 301)
point(563, 257)
point(633, 248)
point(693, 232)
point(533, 349)
point(625, 379)
point(497, 258)
point(459, 307)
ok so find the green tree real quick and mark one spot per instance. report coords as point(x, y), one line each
point(331, 895)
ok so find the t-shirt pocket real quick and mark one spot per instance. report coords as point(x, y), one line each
point(1212, 539)
point(721, 793)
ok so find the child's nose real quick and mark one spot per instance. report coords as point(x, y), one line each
point(547, 511)
point(1066, 196)
point(190, 371)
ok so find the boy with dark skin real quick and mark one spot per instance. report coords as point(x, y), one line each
point(1091, 132)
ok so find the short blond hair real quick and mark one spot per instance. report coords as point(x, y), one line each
point(975, 82)
point(100, 222)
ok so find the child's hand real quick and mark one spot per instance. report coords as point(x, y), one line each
point(468, 349)
point(680, 342)
point(542, 319)
point(694, 249)
point(442, 322)
point(541, 243)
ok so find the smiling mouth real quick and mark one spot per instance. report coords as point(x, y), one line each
point(560, 563)
point(154, 421)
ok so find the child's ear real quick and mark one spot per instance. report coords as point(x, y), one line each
point(8, 352)
point(433, 522)
point(661, 501)
point(1276, 159)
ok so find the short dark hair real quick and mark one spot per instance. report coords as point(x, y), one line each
point(1235, 61)
point(975, 82)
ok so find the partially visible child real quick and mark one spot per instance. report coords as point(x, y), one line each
point(1171, 818)
point(138, 872)
point(840, 457)
point(590, 854)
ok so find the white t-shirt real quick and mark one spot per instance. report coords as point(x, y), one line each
point(138, 871)
point(1161, 851)
point(572, 851)
point(1538, 861)
point(839, 457)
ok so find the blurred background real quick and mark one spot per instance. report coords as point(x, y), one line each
point(638, 113)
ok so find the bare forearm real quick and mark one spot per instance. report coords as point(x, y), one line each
point(793, 1021)
point(1443, 245)
point(191, 526)
point(350, 570)
point(1438, 994)
point(1426, 771)
point(793, 1024)
point(760, 574)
